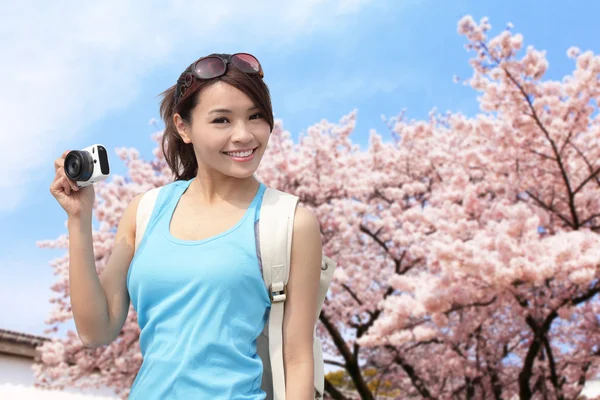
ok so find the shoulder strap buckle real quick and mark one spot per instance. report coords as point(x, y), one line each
point(277, 292)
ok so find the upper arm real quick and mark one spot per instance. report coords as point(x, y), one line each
point(114, 276)
point(302, 288)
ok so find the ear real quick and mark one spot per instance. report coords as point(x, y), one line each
point(182, 128)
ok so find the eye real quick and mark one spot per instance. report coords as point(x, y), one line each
point(220, 120)
point(256, 116)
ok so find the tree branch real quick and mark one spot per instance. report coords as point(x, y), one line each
point(352, 294)
point(350, 358)
point(552, 365)
point(542, 155)
point(593, 175)
point(550, 209)
point(557, 155)
point(336, 363)
point(333, 391)
point(413, 376)
point(590, 218)
point(587, 162)
point(374, 236)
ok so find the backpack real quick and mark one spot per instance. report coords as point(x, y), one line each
point(275, 233)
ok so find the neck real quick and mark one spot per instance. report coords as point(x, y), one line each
point(212, 190)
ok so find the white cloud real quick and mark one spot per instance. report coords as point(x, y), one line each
point(67, 64)
point(346, 85)
point(25, 294)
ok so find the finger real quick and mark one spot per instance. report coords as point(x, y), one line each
point(65, 185)
point(57, 188)
point(56, 180)
point(63, 182)
point(61, 172)
point(60, 161)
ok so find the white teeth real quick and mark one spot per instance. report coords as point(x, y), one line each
point(245, 154)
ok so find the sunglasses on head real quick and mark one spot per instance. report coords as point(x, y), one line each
point(215, 66)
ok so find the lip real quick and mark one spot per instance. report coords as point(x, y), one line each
point(243, 159)
point(241, 150)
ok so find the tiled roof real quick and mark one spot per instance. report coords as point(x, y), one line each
point(16, 391)
point(21, 338)
point(18, 343)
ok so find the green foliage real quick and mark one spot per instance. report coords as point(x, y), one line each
point(381, 388)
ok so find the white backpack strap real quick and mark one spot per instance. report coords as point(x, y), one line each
point(144, 211)
point(275, 251)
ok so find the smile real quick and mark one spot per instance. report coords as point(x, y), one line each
point(241, 156)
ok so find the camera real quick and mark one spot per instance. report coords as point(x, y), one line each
point(88, 166)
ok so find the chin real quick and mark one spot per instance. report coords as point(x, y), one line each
point(240, 174)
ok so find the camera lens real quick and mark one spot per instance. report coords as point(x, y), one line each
point(73, 167)
point(79, 165)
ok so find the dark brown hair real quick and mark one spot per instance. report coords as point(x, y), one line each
point(180, 156)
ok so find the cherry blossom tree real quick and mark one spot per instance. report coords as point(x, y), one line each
point(491, 224)
point(467, 247)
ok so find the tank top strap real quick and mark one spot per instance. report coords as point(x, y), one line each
point(172, 196)
point(166, 199)
point(174, 193)
point(257, 203)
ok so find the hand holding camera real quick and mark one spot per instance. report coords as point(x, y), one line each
point(76, 172)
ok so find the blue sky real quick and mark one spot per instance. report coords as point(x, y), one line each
point(84, 73)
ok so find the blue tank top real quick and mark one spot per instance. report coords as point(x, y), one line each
point(201, 306)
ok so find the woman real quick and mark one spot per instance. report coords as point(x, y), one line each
point(196, 280)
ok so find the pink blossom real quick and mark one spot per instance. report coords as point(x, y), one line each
point(460, 245)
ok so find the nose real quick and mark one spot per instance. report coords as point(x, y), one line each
point(241, 133)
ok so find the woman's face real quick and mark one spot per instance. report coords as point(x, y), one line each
point(226, 125)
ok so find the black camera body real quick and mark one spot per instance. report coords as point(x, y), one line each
point(88, 166)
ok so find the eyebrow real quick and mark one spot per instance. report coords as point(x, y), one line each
point(225, 110)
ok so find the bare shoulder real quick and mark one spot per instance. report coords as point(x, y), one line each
point(306, 221)
point(307, 231)
point(133, 203)
point(129, 215)
point(127, 225)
